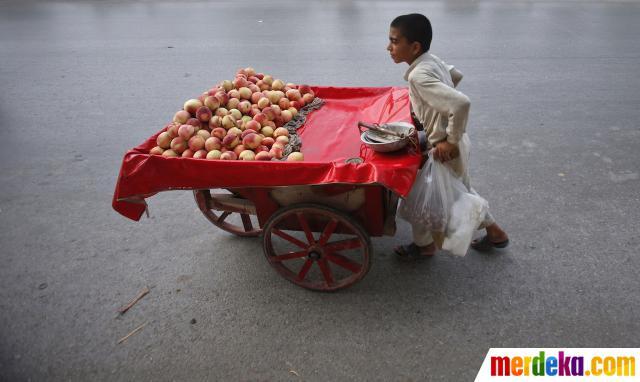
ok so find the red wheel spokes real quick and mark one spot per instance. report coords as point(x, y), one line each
point(344, 262)
point(305, 227)
point(343, 244)
point(290, 239)
point(290, 256)
point(326, 271)
point(328, 231)
point(224, 216)
point(246, 222)
point(305, 269)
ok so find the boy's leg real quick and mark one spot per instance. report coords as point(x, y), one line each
point(421, 236)
point(423, 244)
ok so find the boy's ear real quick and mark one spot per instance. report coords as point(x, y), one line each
point(416, 47)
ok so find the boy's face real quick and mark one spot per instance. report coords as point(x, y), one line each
point(400, 49)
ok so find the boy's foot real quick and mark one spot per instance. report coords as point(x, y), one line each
point(414, 252)
point(495, 238)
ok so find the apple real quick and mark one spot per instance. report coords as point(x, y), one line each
point(219, 132)
point(284, 103)
point(267, 131)
point(234, 130)
point(269, 112)
point(213, 154)
point(308, 98)
point(286, 116)
point(277, 85)
point(178, 144)
point(230, 141)
point(235, 113)
point(181, 116)
point(263, 155)
point(244, 107)
point(211, 102)
point(169, 153)
point(173, 129)
point(192, 105)
point(293, 111)
point(252, 125)
point(228, 122)
point(188, 153)
point(156, 150)
point(295, 157)
point(200, 154)
point(263, 102)
point(283, 140)
point(222, 98)
point(195, 122)
point(276, 151)
point(273, 97)
point(228, 155)
point(221, 112)
point(240, 82)
point(214, 122)
point(268, 141)
point(304, 89)
point(233, 103)
point(247, 155)
point(213, 143)
point(252, 140)
point(238, 149)
point(204, 134)
point(255, 97)
point(267, 80)
point(280, 131)
point(294, 95)
point(227, 85)
point(186, 131)
point(164, 140)
point(263, 85)
point(260, 118)
point(270, 124)
point(203, 114)
point(245, 93)
point(196, 143)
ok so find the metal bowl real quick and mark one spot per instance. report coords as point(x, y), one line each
point(386, 143)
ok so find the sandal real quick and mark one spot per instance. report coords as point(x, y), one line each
point(485, 244)
point(412, 252)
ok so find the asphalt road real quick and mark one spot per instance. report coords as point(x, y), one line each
point(555, 124)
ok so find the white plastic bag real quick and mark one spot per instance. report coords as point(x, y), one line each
point(441, 202)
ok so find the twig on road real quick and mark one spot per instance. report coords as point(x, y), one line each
point(134, 301)
point(134, 331)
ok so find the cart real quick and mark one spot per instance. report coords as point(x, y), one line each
point(315, 217)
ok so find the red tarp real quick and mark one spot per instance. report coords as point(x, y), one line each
point(329, 137)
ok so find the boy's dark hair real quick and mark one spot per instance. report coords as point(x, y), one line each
point(415, 27)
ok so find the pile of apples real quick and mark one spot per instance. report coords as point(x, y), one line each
point(241, 119)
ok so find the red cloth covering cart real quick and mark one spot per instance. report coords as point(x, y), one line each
point(316, 217)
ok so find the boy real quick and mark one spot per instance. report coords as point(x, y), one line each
point(442, 110)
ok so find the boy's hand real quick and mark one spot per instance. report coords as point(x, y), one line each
point(445, 151)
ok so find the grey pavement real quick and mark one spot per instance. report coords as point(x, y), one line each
point(555, 126)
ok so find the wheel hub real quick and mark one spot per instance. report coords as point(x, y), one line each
point(314, 255)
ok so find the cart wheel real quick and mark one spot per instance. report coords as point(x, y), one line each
point(237, 219)
point(317, 247)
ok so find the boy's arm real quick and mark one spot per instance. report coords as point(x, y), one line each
point(446, 100)
point(456, 76)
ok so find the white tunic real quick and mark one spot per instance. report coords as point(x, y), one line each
point(442, 110)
